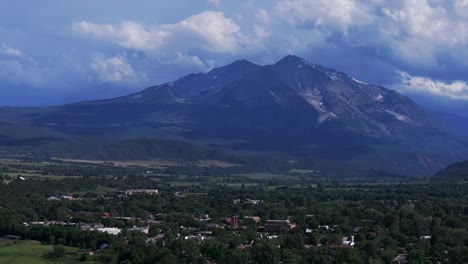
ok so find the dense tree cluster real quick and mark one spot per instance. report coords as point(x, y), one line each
point(427, 221)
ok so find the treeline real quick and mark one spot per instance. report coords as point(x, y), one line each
point(427, 221)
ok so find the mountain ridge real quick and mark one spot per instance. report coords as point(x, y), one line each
point(292, 106)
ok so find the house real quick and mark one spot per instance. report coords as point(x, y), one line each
point(35, 223)
point(401, 259)
point(348, 241)
point(213, 227)
point(278, 226)
point(102, 247)
point(69, 197)
point(110, 230)
point(152, 240)
point(346, 244)
point(90, 227)
point(233, 221)
point(153, 222)
point(256, 219)
point(328, 228)
point(336, 247)
point(245, 245)
point(187, 194)
point(53, 198)
point(195, 238)
point(371, 235)
point(425, 237)
point(144, 229)
point(254, 202)
point(203, 233)
point(204, 218)
point(141, 191)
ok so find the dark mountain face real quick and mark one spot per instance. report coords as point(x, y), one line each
point(294, 107)
point(454, 172)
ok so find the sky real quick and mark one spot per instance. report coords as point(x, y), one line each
point(54, 52)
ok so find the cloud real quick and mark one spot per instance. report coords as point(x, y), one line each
point(208, 30)
point(428, 35)
point(261, 32)
point(127, 34)
point(216, 32)
point(214, 2)
point(113, 70)
point(453, 90)
point(263, 16)
point(369, 39)
point(421, 31)
point(330, 14)
point(184, 60)
point(9, 51)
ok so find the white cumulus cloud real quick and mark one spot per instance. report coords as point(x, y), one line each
point(418, 32)
point(263, 16)
point(127, 34)
point(114, 70)
point(185, 60)
point(9, 51)
point(330, 14)
point(454, 90)
point(216, 32)
point(208, 30)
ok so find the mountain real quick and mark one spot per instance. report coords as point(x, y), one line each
point(457, 122)
point(454, 172)
point(292, 108)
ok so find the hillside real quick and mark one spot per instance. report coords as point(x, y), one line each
point(454, 172)
point(292, 108)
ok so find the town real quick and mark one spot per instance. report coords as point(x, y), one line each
point(110, 219)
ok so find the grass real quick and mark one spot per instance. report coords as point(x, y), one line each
point(302, 171)
point(32, 253)
point(238, 185)
point(184, 184)
point(263, 176)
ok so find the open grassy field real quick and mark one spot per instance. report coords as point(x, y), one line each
point(263, 176)
point(32, 253)
point(301, 171)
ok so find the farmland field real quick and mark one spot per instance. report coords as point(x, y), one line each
point(32, 253)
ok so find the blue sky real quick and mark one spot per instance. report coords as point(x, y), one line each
point(54, 52)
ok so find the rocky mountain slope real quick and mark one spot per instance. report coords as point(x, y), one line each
point(292, 107)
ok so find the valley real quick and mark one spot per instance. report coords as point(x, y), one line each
point(140, 211)
point(234, 132)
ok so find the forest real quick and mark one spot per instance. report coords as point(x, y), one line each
point(211, 218)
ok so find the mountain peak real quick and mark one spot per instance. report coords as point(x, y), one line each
point(291, 58)
point(238, 65)
point(325, 111)
point(243, 62)
point(294, 61)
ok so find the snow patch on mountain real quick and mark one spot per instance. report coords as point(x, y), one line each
point(378, 98)
point(359, 81)
point(314, 99)
point(275, 97)
point(400, 117)
point(335, 76)
point(326, 116)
